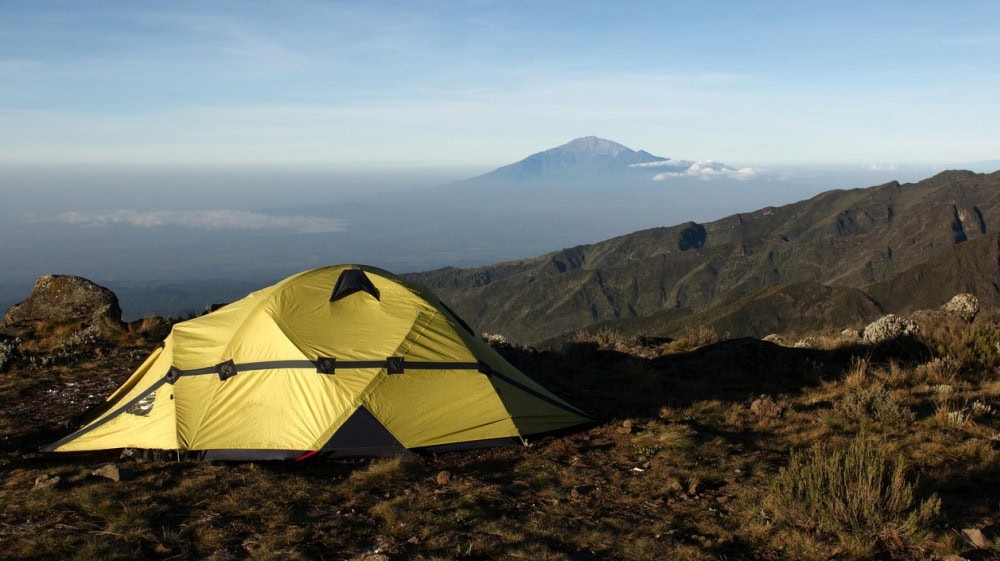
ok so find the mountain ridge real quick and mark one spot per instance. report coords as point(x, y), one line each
point(849, 238)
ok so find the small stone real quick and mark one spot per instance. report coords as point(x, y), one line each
point(976, 538)
point(108, 471)
point(766, 407)
point(443, 478)
point(626, 427)
point(45, 481)
point(413, 541)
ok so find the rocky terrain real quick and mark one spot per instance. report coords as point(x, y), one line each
point(877, 442)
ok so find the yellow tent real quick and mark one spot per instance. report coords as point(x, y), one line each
point(341, 360)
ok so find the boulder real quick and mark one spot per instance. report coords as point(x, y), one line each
point(964, 305)
point(887, 328)
point(63, 300)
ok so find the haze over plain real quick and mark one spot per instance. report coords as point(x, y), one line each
point(191, 143)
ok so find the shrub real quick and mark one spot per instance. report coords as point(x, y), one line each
point(852, 492)
point(975, 346)
point(605, 338)
point(695, 337)
point(873, 403)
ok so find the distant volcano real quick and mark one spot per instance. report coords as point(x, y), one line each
point(592, 157)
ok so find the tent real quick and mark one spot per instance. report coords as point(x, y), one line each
point(341, 360)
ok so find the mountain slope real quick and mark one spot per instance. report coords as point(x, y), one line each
point(582, 158)
point(844, 238)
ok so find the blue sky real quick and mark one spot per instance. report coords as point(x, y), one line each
point(382, 84)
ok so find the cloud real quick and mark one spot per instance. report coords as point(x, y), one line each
point(204, 220)
point(881, 167)
point(706, 170)
point(668, 163)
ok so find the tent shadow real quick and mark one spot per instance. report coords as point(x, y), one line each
point(612, 384)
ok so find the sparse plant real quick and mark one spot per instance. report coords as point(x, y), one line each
point(942, 389)
point(949, 417)
point(853, 491)
point(980, 409)
point(857, 372)
point(695, 337)
point(605, 338)
point(873, 403)
point(670, 439)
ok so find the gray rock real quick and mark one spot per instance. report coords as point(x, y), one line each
point(62, 300)
point(964, 305)
point(887, 328)
point(976, 538)
point(108, 471)
point(776, 339)
point(45, 481)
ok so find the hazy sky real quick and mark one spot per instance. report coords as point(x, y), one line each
point(368, 84)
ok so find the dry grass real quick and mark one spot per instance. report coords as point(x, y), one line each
point(693, 474)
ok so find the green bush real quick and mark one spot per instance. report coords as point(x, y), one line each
point(853, 493)
point(873, 403)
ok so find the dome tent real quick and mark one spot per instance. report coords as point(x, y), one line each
point(341, 360)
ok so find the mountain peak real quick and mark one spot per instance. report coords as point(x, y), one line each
point(584, 157)
point(595, 146)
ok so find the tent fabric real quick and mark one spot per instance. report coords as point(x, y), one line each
point(295, 368)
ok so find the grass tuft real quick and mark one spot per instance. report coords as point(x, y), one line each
point(855, 494)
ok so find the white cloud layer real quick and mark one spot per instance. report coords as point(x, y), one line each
point(707, 170)
point(204, 220)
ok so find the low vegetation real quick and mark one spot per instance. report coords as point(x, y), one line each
point(706, 449)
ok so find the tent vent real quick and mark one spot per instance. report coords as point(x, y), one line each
point(351, 281)
point(144, 406)
point(326, 365)
point(394, 364)
point(226, 370)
